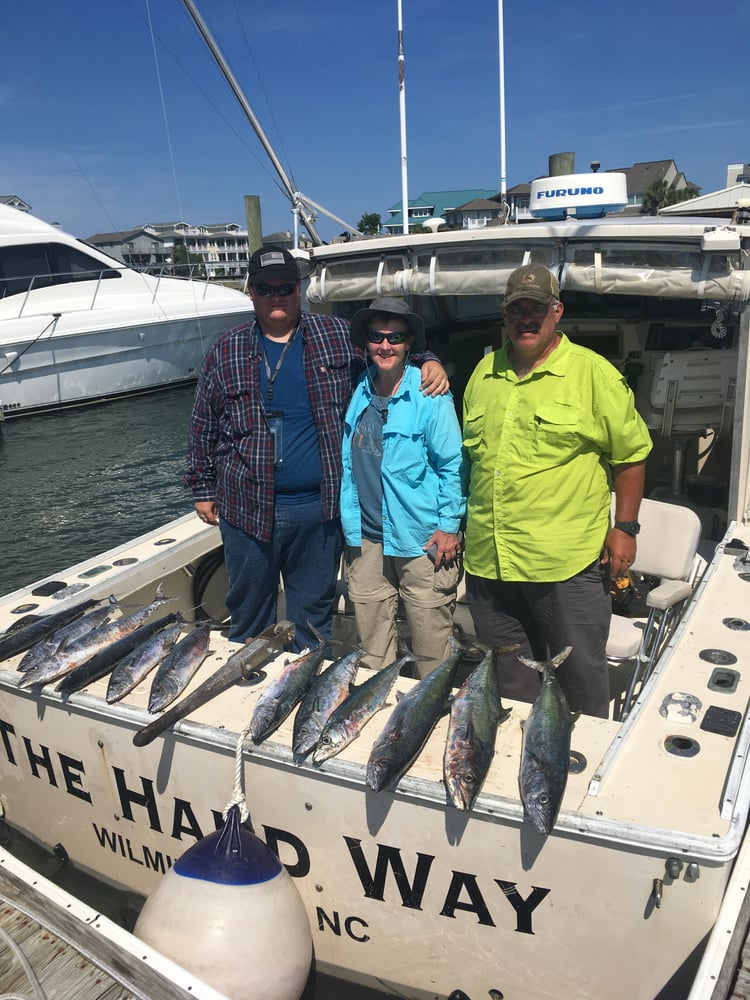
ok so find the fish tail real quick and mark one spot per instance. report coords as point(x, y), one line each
point(555, 662)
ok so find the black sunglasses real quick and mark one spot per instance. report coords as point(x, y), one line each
point(376, 337)
point(266, 291)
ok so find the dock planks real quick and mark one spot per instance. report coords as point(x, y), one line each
point(68, 951)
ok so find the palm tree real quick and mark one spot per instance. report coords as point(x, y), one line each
point(661, 194)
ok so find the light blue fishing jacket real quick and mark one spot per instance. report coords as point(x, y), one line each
point(420, 470)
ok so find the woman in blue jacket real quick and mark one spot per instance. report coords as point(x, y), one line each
point(401, 495)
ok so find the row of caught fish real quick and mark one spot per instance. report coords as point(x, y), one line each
point(79, 646)
point(82, 644)
point(332, 712)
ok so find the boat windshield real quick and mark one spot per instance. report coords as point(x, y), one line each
point(39, 265)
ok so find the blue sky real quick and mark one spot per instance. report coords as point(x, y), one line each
point(99, 135)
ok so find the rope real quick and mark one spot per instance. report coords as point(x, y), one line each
point(55, 318)
point(238, 793)
point(31, 975)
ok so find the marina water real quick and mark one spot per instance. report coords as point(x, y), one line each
point(75, 483)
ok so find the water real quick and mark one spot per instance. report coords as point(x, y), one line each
point(78, 482)
point(74, 484)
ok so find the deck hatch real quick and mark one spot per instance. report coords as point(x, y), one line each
point(721, 657)
point(724, 680)
point(722, 721)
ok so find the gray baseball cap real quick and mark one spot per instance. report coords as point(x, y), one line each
point(393, 307)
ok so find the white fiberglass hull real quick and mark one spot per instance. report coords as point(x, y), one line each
point(76, 363)
point(402, 890)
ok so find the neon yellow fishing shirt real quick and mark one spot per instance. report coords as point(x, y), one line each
point(537, 454)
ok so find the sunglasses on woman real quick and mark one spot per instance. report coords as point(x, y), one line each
point(376, 337)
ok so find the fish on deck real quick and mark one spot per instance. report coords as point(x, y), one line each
point(131, 670)
point(545, 754)
point(286, 691)
point(410, 724)
point(476, 712)
point(69, 633)
point(70, 656)
point(324, 695)
point(355, 711)
point(178, 668)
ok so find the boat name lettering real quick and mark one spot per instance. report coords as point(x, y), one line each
point(568, 192)
point(184, 820)
point(71, 769)
point(335, 924)
point(377, 873)
point(412, 893)
point(117, 844)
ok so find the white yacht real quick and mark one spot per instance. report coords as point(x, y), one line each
point(637, 893)
point(78, 327)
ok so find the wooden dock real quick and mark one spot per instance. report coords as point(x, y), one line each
point(75, 952)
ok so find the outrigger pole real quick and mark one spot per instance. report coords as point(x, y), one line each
point(300, 203)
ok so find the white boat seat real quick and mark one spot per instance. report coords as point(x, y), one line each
point(692, 393)
point(667, 547)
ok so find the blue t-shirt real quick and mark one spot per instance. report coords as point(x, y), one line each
point(367, 459)
point(298, 476)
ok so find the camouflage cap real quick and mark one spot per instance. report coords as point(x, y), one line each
point(532, 281)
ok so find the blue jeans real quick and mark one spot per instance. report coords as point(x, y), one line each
point(305, 552)
point(543, 618)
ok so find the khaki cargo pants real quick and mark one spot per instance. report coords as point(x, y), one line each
point(376, 582)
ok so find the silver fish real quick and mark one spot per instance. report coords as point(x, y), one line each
point(285, 691)
point(70, 656)
point(476, 712)
point(410, 724)
point(325, 694)
point(178, 667)
point(22, 637)
point(356, 710)
point(545, 756)
point(131, 670)
point(67, 634)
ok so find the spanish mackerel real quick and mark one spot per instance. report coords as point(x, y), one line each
point(40, 651)
point(325, 694)
point(131, 670)
point(353, 714)
point(285, 691)
point(101, 664)
point(410, 724)
point(545, 756)
point(83, 649)
point(24, 638)
point(178, 667)
point(476, 712)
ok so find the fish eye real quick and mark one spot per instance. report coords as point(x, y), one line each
point(543, 799)
point(469, 779)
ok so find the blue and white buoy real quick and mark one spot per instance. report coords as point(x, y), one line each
point(222, 912)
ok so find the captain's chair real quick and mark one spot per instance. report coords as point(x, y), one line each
point(667, 546)
point(692, 392)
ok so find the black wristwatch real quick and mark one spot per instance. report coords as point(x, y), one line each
point(629, 527)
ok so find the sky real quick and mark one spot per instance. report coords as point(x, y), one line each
point(113, 113)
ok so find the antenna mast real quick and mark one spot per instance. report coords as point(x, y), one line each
point(402, 117)
point(300, 203)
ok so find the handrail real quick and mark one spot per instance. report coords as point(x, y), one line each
point(36, 282)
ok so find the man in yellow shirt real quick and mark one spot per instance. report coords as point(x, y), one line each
point(549, 429)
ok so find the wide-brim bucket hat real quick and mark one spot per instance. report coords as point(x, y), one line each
point(390, 307)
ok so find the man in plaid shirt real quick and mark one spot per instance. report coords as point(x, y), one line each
point(264, 451)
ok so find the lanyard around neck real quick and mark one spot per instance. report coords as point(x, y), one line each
point(271, 376)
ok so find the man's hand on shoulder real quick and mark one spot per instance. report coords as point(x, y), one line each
point(435, 381)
